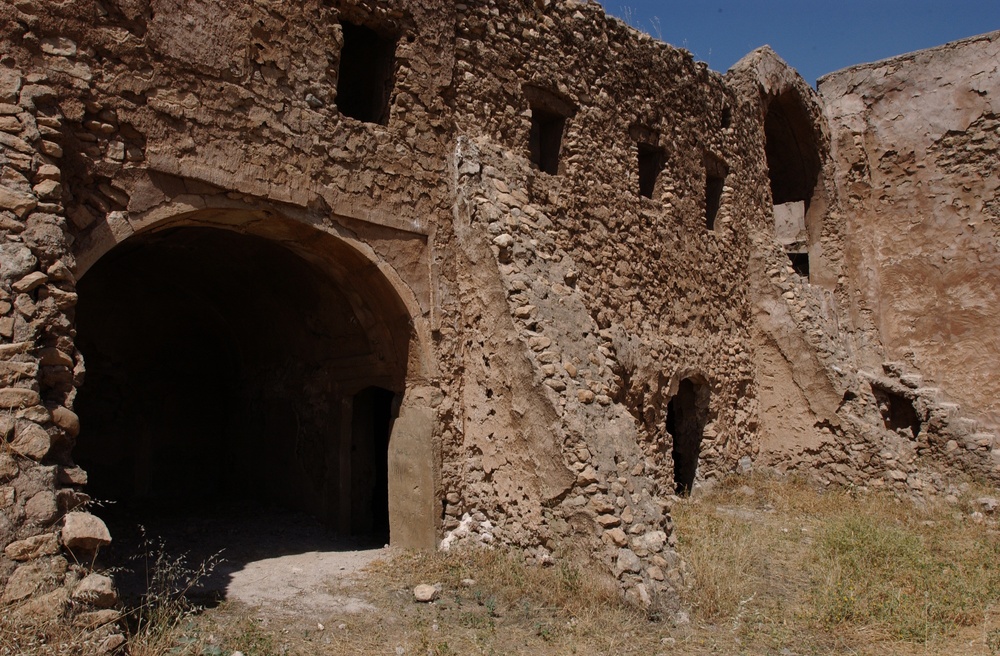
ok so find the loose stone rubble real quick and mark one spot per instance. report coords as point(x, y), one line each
point(573, 271)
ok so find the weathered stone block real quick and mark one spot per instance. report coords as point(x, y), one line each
point(47, 608)
point(31, 440)
point(32, 577)
point(31, 548)
point(17, 397)
point(96, 618)
point(627, 562)
point(8, 467)
point(42, 508)
point(84, 532)
point(17, 202)
point(96, 589)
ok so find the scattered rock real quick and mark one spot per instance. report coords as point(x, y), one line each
point(116, 640)
point(425, 593)
point(97, 590)
point(95, 618)
point(988, 504)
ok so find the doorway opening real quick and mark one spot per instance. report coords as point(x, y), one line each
point(226, 373)
point(793, 166)
point(687, 414)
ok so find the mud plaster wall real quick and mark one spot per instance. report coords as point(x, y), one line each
point(916, 149)
point(822, 372)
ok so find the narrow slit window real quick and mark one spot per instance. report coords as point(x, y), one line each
point(365, 79)
point(715, 183)
point(546, 139)
point(651, 162)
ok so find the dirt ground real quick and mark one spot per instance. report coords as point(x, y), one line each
point(765, 583)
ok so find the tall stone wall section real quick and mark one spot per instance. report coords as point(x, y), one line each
point(48, 538)
point(915, 145)
point(615, 297)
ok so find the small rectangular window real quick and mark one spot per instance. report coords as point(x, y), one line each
point(651, 162)
point(549, 111)
point(367, 68)
point(800, 263)
point(546, 139)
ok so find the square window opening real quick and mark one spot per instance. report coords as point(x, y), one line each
point(365, 79)
point(800, 263)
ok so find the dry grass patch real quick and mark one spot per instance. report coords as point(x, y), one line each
point(781, 564)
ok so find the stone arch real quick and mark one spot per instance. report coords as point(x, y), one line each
point(796, 146)
point(686, 417)
point(319, 330)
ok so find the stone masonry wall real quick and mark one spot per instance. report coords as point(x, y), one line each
point(47, 541)
point(535, 325)
point(615, 297)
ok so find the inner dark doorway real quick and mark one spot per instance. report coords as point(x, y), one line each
point(221, 369)
point(371, 425)
point(687, 414)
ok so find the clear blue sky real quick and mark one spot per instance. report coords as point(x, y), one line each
point(814, 36)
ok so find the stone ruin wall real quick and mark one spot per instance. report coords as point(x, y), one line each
point(615, 297)
point(534, 326)
point(915, 147)
point(835, 399)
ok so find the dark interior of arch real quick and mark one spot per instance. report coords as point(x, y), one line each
point(793, 161)
point(687, 414)
point(223, 368)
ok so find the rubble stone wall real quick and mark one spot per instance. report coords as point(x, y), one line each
point(539, 321)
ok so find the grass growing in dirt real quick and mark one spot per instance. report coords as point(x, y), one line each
point(781, 567)
point(153, 620)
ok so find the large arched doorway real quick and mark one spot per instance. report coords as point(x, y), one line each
point(793, 165)
point(224, 368)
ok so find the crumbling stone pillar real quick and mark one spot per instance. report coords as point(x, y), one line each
point(45, 535)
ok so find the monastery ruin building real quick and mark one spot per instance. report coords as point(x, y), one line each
point(506, 271)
